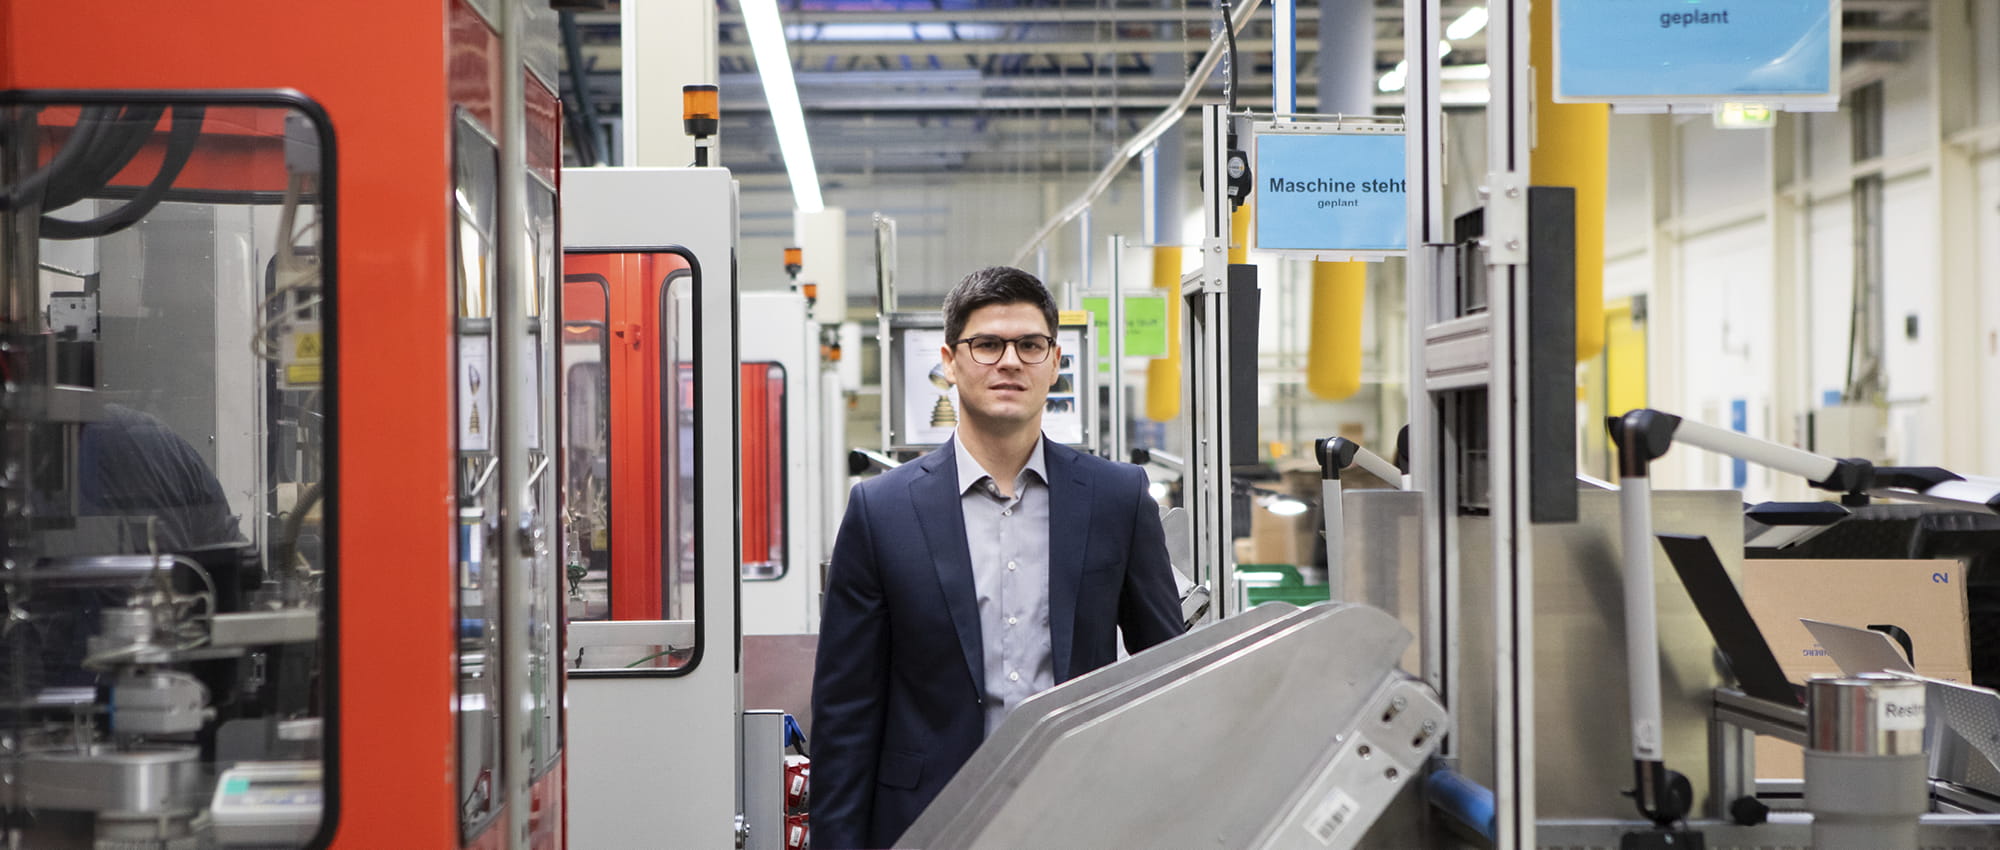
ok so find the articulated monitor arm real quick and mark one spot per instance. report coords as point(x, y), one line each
point(1643, 436)
point(1652, 432)
point(1336, 454)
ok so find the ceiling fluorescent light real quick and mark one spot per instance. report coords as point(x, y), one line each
point(774, 65)
point(1467, 25)
point(1394, 80)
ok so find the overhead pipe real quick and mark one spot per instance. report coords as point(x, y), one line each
point(1339, 290)
point(1145, 138)
point(583, 120)
point(1168, 167)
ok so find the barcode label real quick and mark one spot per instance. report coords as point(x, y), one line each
point(1331, 815)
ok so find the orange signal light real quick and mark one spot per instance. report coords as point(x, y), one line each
point(700, 101)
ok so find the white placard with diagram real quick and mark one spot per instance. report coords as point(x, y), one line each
point(926, 406)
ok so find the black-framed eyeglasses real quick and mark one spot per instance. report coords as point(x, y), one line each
point(987, 349)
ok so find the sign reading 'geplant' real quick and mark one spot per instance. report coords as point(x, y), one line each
point(1693, 51)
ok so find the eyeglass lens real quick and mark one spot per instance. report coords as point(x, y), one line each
point(988, 350)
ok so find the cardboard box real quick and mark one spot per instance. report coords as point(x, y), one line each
point(1924, 598)
point(1274, 539)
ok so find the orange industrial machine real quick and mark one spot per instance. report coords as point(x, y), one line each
point(280, 540)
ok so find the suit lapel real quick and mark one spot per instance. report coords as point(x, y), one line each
point(1069, 522)
point(936, 497)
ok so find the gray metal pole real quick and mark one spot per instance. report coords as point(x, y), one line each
point(1114, 436)
point(1168, 177)
point(1347, 57)
point(520, 527)
point(1083, 251)
point(1284, 56)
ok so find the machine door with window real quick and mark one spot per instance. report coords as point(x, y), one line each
point(166, 310)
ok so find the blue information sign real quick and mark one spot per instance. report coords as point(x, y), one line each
point(1694, 50)
point(1332, 192)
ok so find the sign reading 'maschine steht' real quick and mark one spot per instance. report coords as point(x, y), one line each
point(1694, 50)
point(1330, 192)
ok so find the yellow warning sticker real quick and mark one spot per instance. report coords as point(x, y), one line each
point(302, 350)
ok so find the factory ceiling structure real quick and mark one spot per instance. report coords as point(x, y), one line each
point(1036, 87)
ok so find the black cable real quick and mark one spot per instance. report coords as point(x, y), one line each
point(180, 146)
point(1229, 35)
point(590, 143)
point(120, 142)
point(74, 152)
point(288, 545)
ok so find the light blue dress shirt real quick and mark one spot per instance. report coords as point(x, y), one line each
point(1009, 543)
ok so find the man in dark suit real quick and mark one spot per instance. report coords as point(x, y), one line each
point(974, 577)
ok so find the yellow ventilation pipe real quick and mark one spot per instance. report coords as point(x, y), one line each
point(1333, 352)
point(1572, 148)
point(1239, 234)
point(1163, 375)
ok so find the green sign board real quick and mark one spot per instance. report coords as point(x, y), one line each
point(1145, 327)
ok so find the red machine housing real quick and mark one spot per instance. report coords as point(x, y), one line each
point(389, 75)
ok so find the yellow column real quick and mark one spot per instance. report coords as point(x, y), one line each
point(1572, 144)
point(1239, 234)
point(1333, 352)
point(1163, 376)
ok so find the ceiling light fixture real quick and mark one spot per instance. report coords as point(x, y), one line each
point(1393, 81)
point(1467, 25)
point(781, 92)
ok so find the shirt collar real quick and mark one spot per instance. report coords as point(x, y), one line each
point(970, 472)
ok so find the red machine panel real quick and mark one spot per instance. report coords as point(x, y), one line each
point(390, 77)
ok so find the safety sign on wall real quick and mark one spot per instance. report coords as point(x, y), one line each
point(1690, 52)
point(1145, 327)
point(1332, 190)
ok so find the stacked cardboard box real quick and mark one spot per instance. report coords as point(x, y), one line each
point(1926, 599)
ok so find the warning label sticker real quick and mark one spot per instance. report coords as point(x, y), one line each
point(300, 350)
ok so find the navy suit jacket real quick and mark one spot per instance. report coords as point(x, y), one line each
point(898, 687)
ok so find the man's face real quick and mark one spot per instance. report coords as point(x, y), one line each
point(1009, 392)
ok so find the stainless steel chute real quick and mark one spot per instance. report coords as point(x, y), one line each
point(1295, 723)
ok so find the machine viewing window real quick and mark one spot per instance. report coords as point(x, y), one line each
point(631, 331)
point(763, 393)
point(166, 332)
point(476, 208)
point(586, 498)
point(545, 578)
point(679, 451)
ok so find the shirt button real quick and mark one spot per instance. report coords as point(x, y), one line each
point(1014, 677)
point(1012, 621)
point(1007, 512)
point(1011, 565)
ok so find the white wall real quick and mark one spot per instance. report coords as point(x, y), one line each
point(1989, 285)
point(1714, 236)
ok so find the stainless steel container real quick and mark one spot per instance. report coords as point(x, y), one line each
point(1864, 764)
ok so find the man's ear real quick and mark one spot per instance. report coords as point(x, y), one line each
point(950, 368)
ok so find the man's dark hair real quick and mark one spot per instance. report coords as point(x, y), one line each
point(990, 286)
